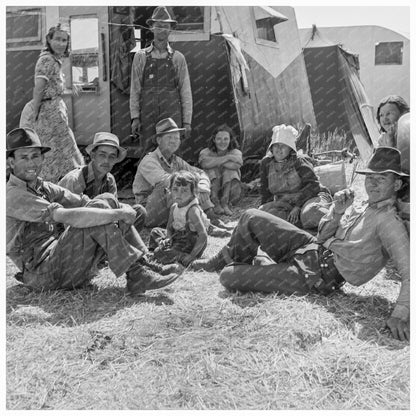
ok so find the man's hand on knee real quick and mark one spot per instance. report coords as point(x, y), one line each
point(399, 329)
point(128, 214)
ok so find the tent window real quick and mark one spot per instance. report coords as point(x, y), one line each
point(389, 53)
point(23, 25)
point(265, 30)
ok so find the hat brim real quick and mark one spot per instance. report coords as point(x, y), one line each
point(169, 131)
point(369, 171)
point(43, 149)
point(150, 22)
point(122, 152)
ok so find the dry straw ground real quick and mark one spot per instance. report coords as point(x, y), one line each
point(194, 345)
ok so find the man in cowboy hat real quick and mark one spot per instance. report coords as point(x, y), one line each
point(95, 178)
point(160, 85)
point(353, 244)
point(154, 172)
point(51, 257)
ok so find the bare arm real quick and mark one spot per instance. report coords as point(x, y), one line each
point(40, 84)
point(210, 162)
point(194, 216)
point(92, 217)
point(232, 165)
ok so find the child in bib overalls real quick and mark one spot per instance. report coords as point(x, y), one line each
point(185, 237)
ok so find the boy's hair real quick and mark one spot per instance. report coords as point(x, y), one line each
point(398, 101)
point(184, 178)
point(233, 140)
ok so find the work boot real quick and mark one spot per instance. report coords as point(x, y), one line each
point(141, 278)
point(213, 264)
point(162, 269)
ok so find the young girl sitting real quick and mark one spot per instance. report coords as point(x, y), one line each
point(289, 185)
point(185, 237)
point(222, 161)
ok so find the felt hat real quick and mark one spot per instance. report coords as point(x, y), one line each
point(161, 14)
point(107, 139)
point(167, 125)
point(384, 159)
point(23, 138)
point(284, 134)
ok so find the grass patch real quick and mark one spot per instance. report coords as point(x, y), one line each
point(193, 345)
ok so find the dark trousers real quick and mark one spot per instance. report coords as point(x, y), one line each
point(295, 257)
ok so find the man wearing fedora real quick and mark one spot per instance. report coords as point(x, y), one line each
point(51, 257)
point(353, 244)
point(95, 178)
point(153, 176)
point(160, 85)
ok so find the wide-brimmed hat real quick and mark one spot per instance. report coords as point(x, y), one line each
point(167, 125)
point(284, 134)
point(107, 139)
point(384, 159)
point(22, 138)
point(161, 14)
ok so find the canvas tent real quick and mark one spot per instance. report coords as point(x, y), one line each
point(339, 99)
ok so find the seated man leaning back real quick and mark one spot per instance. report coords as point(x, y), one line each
point(50, 256)
point(96, 178)
point(353, 244)
point(154, 172)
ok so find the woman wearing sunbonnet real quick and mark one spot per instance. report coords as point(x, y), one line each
point(290, 188)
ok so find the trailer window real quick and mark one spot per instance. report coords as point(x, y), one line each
point(389, 53)
point(23, 25)
point(84, 53)
point(193, 22)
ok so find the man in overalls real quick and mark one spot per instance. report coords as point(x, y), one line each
point(160, 85)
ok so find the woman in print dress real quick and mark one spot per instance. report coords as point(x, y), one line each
point(47, 114)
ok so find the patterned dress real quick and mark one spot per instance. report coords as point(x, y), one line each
point(52, 123)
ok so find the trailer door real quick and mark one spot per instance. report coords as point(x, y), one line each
point(87, 71)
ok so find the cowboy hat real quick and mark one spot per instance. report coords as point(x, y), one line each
point(23, 138)
point(284, 134)
point(384, 159)
point(167, 125)
point(161, 14)
point(107, 139)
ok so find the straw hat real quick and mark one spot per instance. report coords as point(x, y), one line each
point(107, 139)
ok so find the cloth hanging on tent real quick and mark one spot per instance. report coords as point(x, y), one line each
point(238, 62)
point(121, 58)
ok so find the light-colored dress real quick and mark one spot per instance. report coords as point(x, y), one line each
point(52, 123)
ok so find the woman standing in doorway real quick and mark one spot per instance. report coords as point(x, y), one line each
point(47, 114)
